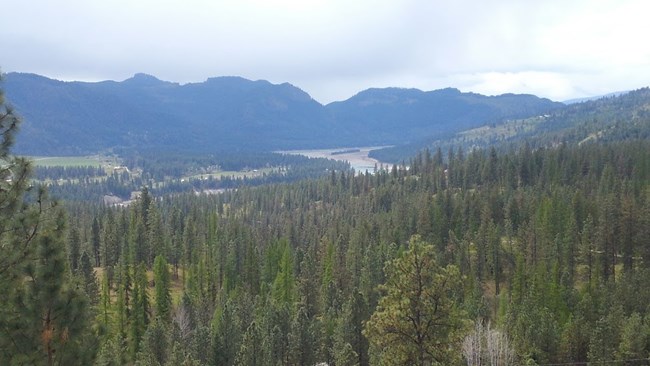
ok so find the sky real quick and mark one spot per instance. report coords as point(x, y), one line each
point(333, 49)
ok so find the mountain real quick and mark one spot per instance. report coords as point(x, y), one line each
point(394, 115)
point(615, 118)
point(596, 97)
point(233, 113)
point(144, 112)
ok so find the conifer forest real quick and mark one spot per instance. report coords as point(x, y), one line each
point(520, 252)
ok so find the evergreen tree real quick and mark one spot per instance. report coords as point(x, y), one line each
point(123, 303)
point(140, 311)
point(155, 345)
point(110, 245)
point(87, 273)
point(605, 338)
point(18, 225)
point(155, 237)
point(43, 319)
point(226, 334)
point(284, 283)
point(105, 303)
point(634, 339)
point(251, 353)
point(111, 353)
point(137, 240)
point(301, 339)
point(52, 317)
point(74, 249)
point(96, 242)
point(417, 321)
point(162, 289)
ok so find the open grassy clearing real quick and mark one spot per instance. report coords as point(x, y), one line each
point(72, 161)
point(233, 174)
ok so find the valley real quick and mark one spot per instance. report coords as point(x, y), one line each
point(530, 228)
point(325, 183)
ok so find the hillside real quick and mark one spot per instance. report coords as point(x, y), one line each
point(232, 113)
point(144, 112)
point(400, 115)
point(612, 118)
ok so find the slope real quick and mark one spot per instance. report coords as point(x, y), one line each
point(612, 118)
point(236, 114)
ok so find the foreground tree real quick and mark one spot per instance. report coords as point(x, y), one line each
point(417, 321)
point(53, 314)
point(18, 223)
point(43, 318)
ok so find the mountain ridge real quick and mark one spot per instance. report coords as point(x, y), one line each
point(614, 118)
point(234, 113)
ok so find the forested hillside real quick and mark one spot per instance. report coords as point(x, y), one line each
point(622, 116)
point(550, 245)
point(226, 114)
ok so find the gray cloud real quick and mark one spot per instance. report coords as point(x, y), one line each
point(333, 49)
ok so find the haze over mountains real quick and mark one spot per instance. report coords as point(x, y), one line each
point(232, 113)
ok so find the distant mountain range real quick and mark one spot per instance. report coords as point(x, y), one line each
point(588, 99)
point(616, 117)
point(232, 113)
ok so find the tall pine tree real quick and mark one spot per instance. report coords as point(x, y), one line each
point(42, 317)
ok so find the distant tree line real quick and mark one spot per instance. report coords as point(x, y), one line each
point(67, 172)
point(164, 177)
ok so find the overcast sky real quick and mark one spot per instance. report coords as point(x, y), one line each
point(332, 49)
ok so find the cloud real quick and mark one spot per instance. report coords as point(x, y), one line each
point(333, 48)
point(534, 82)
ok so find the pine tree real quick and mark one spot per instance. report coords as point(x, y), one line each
point(105, 303)
point(18, 226)
point(111, 353)
point(140, 310)
point(53, 316)
point(91, 287)
point(250, 352)
point(155, 235)
point(284, 283)
point(417, 321)
point(301, 339)
point(634, 338)
point(162, 289)
point(587, 248)
point(137, 240)
point(155, 345)
point(74, 249)
point(43, 319)
point(96, 242)
point(123, 304)
point(226, 334)
point(344, 334)
point(110, 245)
